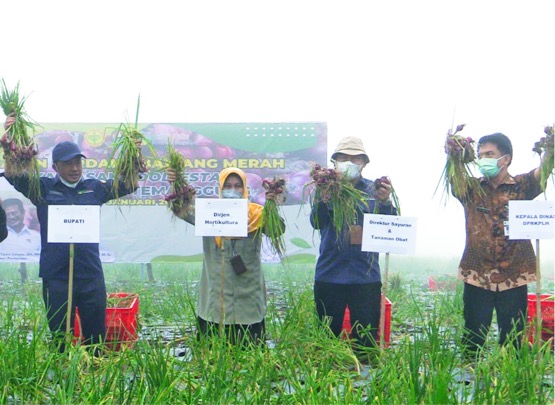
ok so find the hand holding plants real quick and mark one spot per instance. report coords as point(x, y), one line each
point(339, 194)
point(20, 152)
point(460, 152)
point(545, 146)
point(384, 190)
point(180, 190)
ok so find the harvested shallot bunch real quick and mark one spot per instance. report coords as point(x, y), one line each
point(545, 146)
point(127, 158)
point(180, 190)
point(20, 151)
point(457, 176)
point(341, 196)
point(272, 222)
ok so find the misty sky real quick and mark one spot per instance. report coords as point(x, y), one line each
point(398, 74)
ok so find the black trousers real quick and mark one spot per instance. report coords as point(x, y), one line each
point(236, 334)
point(364, 306)
point(89, 295)
point(510, 307)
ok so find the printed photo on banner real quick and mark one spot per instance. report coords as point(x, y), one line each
point(23, 241)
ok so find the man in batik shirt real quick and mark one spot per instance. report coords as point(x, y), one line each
point(495, 269)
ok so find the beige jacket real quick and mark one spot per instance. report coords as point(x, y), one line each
point(225, 297)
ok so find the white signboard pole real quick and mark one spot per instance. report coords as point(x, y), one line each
point(533, 220)
point(387, 234)
point(73, 224)
point(538, 296)
point(382, 302)
point(70, 289)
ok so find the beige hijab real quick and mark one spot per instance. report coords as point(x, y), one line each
point(255, 210)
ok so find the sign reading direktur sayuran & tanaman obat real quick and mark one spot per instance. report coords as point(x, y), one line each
point(389, 234)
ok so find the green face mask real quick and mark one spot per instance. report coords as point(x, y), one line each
point(488, 166)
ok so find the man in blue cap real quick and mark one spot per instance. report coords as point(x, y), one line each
point(89, 291)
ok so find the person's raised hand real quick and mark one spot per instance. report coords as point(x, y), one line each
point(383, 188)
point(10, 120)
point(171, 175)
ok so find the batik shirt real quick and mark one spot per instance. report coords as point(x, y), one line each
point(491, 260)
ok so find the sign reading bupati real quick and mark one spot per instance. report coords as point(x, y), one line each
point(73, 224)
point(262, 150)
point(531, 220)
point(388, 234)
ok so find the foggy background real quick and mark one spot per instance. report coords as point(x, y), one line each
point(397, 74)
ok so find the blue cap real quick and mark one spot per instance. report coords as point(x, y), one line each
point(65, 151)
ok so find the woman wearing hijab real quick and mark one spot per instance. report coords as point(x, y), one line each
point(229, 296)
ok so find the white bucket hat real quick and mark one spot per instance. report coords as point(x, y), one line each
point(350, 145)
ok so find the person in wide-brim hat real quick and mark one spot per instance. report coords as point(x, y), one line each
point(346, 276)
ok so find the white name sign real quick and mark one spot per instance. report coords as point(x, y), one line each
point(73, 224)
point(388, 234)
point(531, 219)
point(221, 217)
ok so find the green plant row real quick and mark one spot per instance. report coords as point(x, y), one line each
point(302, 364)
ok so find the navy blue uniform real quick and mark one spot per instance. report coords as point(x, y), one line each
point(345, 275)
point(89, 291)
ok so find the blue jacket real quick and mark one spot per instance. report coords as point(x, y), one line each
point(340, 262)
point(54, 257)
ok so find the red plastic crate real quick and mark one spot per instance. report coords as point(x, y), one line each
point(387, 325)
point(547, 304)
point(121, 321)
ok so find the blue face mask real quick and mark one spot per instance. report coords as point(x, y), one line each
point(231, 193)
point(488, 166)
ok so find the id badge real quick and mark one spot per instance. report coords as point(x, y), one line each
point(355, 234)
point(506, 227)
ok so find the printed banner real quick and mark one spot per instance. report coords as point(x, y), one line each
point(139, 227)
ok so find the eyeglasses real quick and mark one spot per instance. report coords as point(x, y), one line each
point(358, 159)
point(233, 186)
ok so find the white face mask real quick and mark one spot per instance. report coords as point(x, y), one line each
point(349, 169)
point(70, 185)
point(231, 193)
